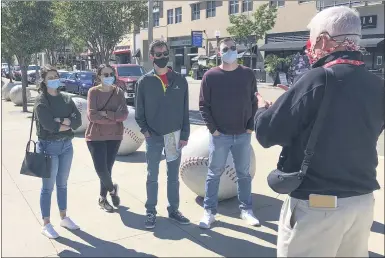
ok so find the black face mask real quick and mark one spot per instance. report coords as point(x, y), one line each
point(161, 62)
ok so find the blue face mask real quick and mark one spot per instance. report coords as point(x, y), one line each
point(53, 84)
point(229, 57)
point(108, 81)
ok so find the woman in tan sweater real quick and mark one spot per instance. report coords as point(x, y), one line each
point(106, 110)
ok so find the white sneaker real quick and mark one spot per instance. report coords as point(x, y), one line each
point(69, 224)
point(49, 232)
point(207, 220)
point(249, 217)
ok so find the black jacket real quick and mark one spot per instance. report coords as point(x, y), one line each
point(345, 157)
point(162, 112)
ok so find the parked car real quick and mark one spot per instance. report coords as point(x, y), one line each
point(31, 72)
point(126, 77)
point(63, 75)
point(5, 72)
point(16, 73)
point(80, 82)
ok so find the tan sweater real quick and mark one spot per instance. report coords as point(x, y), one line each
point(109, 127)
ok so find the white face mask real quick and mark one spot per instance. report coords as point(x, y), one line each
point(229, 57)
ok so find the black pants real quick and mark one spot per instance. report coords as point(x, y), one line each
point(103, 154)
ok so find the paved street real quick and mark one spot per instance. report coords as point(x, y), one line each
point(121, 234)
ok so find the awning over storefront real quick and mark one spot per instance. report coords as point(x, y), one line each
point(199, 57)
point(373, 42)
point(281, 46)
point(245, 54)
point(121, 50)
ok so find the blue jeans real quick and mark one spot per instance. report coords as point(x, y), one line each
point(62, 153)
point(154, 149)
point(219, 148)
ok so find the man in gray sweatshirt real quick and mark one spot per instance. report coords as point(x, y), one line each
point(162, 112)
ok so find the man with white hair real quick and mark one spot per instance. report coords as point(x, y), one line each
point(329, 211)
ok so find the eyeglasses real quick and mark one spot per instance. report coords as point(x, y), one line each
point(108, 74)
point(232, 48)
point(159, 54)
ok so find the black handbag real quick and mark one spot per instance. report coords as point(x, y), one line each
point(35, 164)
point(284, 183)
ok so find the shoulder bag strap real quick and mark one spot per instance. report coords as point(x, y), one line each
point(32, 119)
point(108, 100)
point(309, 151)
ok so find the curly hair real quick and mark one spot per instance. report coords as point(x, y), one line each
point(157, 43)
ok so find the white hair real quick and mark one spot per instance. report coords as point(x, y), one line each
point(339, 20)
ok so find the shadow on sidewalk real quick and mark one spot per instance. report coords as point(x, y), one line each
point(196, 118)
point(377, 227)
point(97, 248)
point(372, 254)
point(226, 207)
point(135, 157)
point(223, 245)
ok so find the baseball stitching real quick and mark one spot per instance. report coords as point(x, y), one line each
point(203, 161)
point(133, 136)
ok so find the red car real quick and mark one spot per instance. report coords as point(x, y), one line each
point(126, 77)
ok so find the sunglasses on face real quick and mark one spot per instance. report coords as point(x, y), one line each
point(232, 48)
point(108, 74)
point(159, 54)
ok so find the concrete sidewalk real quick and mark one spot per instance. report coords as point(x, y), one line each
point(121, 234)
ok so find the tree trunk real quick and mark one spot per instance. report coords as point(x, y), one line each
point(48, 56)
point(54, 57)
point(37, 75)
point(9, 70)
point(24, 81)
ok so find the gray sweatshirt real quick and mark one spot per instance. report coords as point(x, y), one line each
point(161, 112)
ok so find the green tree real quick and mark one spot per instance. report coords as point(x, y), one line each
point(99, 25)
point(7, 56)
point(251, 29)
point(275, 64)
point(23, 30)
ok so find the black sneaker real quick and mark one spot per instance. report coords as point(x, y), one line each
point(115, 197)
point(103, 203)
point(150, 221)
point(178, 217)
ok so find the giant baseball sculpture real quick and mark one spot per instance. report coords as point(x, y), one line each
point(16, 95)
point(194, 166)
point(81, 105)
point(5, 90)
point(132, 137)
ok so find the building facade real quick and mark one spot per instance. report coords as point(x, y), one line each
point(174, 21)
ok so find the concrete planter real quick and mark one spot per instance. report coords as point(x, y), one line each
point(6, 89)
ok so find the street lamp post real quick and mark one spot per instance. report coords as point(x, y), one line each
point(150, 21)
point(217, 35)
